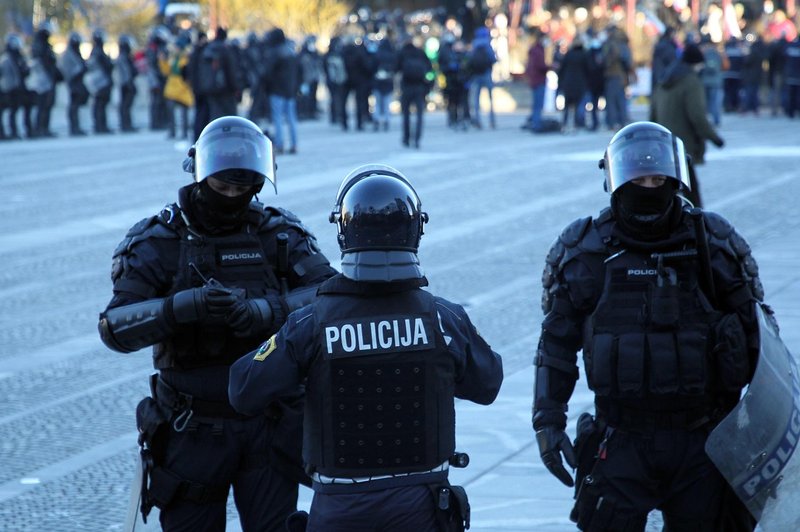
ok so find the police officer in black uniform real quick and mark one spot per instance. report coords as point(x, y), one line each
point(382, 360)
point(662, 300)
point(205, 281)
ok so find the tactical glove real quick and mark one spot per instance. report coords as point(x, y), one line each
point(211, 301)
point(553, 442)
point(250, 317)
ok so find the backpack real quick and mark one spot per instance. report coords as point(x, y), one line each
point(480, 60)
point(414, 69)
point(335, 69)
point(211, 78)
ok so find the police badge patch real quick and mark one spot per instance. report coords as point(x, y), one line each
point(265, 349)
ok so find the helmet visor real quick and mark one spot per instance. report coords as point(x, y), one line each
point(645, 153)
point(235, 156)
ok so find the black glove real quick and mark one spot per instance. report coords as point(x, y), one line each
point(211, 301)
point(553, 442)
point(250, 317)
point(719, 143)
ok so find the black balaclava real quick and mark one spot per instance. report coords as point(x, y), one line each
point(647, 213)
point(213, 212)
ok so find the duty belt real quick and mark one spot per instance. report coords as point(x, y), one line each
point(640, 420)
point(178, 401)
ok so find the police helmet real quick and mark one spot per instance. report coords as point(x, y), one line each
point(644, 149)
point(234, 150)
point(377, 209)
point(98, 36)
point(126, 41)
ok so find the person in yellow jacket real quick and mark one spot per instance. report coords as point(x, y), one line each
point(177, 91)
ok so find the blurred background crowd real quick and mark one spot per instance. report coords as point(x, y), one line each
point(278, 62)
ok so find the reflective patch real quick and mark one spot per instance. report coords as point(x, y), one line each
point(265, 349)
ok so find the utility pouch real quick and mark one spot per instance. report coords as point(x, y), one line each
point(730, 353)
point(452, 507)
point(589, 435)
point(664, 311)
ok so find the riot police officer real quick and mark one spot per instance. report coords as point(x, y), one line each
point(73, 68)
point(205, 281)
point(382, 361)
point(662, 300)
point(99, 82)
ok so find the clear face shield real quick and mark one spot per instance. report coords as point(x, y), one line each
point(235, 149)
point(645, 152)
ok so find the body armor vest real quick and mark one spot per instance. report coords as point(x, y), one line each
point(380, 391)
point(651, 332)
point(236, 261)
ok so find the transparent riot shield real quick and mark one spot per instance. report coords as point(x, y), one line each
point(754, 446)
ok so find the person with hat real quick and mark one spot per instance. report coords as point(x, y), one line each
point(680, 106)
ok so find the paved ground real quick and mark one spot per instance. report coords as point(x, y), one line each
point(496, 199)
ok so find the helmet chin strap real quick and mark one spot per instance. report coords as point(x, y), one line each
point(381, 266)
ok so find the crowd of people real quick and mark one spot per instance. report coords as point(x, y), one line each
point(190, 77)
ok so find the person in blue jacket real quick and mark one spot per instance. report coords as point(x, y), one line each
point(381, 360)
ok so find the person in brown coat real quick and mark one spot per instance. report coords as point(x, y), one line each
point(680, 106)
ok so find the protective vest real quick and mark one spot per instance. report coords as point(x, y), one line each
point(380, 391)
point(239, 260)
point(651, 331)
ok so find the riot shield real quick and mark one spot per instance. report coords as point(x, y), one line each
point(754, 446)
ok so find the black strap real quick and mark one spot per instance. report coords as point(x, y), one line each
point(639, 420)
point(556, 363)
point(166, 486)
point(138, 288)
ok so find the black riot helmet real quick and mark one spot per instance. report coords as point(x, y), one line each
point(644, 149)
point(378, 209)
point(234, 150)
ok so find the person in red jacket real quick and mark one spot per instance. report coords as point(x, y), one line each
point(536, 75)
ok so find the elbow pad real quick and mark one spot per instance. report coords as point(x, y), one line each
point(134, 326)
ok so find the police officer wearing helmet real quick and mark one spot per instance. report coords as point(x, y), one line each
point(662, 301)
point(382, 360)
point(204, 282)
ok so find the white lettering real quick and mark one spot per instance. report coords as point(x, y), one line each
point(362, 345)
point(384, 342)
point(331, 335)
point(405, 341)
point(396, 333)
point(348, 338)
point(419, 333)
point(771, 469)
point(642, 272)
point(372, 335)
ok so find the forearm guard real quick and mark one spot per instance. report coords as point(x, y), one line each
point(135, 326)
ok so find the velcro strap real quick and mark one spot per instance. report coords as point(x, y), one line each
point(308, 263)
point(129, 286)
point(543, 403)
point(555, 363)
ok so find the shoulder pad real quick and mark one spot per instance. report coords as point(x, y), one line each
point(725, 236)
point(718, 225)
point(574, 232)
point(158, 226)
point(275, 217)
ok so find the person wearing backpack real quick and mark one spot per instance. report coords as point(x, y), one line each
point(335, 78)
point(480, 62)
point(218, 79)
point(414, 67)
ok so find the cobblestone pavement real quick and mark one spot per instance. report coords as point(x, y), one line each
point(496, 199)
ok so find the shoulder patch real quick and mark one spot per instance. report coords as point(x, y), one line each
point(265, 349)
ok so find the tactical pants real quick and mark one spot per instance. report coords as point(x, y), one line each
point(99, 105)
point(405, 509)
point(412, 95)
point(219, 453)
point(126, 96)
point(666, 470)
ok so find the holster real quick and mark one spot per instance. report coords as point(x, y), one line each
point(152, 422)
point(452, 507)
point(589, 434)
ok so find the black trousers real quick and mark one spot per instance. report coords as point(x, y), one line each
point(667, 470)
point(225, 453)
point(412, 95)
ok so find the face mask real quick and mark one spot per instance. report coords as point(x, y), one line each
point(218, 210)
point(643, 201)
